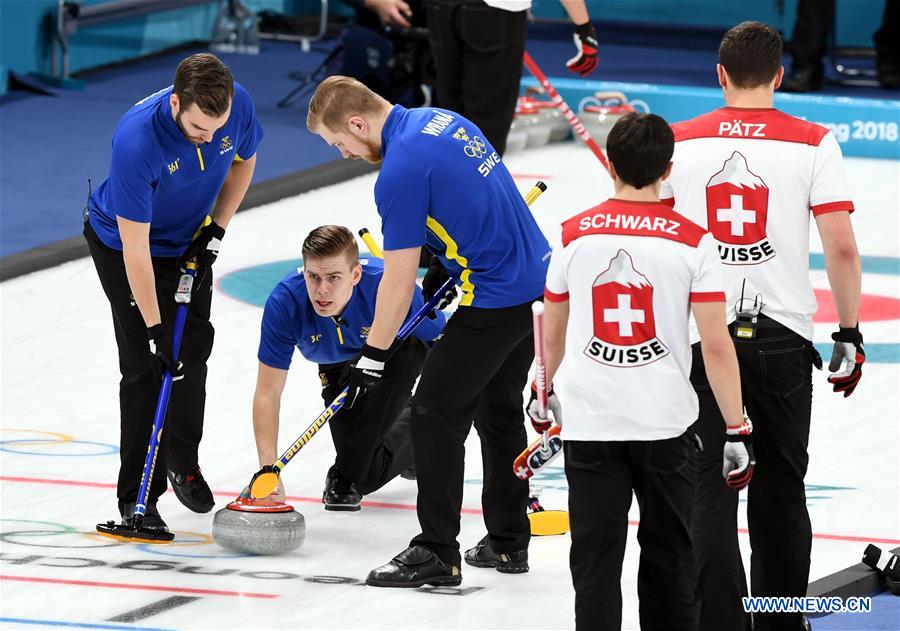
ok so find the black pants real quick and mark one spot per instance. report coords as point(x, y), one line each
point(477, 370)
point(139, 388)
point(776, 383)
point(815, 20)
point(373, 441)
point(809, 41)
point(602, 476)
point(478, 60)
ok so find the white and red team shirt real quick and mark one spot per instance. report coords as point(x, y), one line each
point(751, 177)
point(630, 271)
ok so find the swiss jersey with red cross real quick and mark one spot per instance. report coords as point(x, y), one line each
point(751, 177)
point(630, 271)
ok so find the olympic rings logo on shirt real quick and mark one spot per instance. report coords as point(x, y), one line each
point(475, 148)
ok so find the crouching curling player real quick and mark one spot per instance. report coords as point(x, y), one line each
point(325, 309)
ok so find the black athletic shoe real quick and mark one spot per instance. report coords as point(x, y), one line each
point(483, 555)
point(802, 80)
point(339, 493)
point(414, 567)
point(192, 490)
point(889, 76)
point(152, 519)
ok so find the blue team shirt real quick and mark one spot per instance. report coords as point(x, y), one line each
point(158, 176)
point(289, 320)
point(442, 185)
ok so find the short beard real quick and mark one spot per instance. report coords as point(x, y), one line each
point(374, 155)
point(183, 132)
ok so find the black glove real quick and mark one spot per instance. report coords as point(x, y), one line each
point(434, 279)
point(738, 458)
point(848, 345)
point(586, 42)
point(364, 374)
point(161, 353)
point(205, 248)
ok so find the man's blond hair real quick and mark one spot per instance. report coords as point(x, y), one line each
point(338, 98)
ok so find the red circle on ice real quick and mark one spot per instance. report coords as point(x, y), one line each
point(871, 308)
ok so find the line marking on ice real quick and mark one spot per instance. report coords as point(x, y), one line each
point(152, 588)
point(399, 506)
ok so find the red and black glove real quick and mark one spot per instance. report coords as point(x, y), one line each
point(539, 423)
point(738, 458)
point(585, 61)
point(848, 345)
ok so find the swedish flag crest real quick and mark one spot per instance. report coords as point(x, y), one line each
point(460, 134)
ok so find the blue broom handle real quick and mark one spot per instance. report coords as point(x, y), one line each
point(162, 403)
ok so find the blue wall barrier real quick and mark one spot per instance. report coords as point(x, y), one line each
point(26, 28)
point(866, 128)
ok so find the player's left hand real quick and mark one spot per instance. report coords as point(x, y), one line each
point(364, 374)
point(584, 62)
point(277, 495)
point(205, 248)
point(554, 407)
point(737, 467)
point(434, 279)
point(848, 345)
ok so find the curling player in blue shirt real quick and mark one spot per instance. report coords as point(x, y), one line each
point(179, 157)
point(442, 186)
point(325, 310)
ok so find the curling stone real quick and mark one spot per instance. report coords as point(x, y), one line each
point(259, 527)
point(549, 114)
point(598, 120)
point(535, 126)
point(517, 137)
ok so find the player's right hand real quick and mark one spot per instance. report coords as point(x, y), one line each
point(161, 353)
point(738, 458)
point(584, 62)
point(554, 407)
point(391, 12)
point(848, 345)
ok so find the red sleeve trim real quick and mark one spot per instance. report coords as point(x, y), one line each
point(830, 207)
point(707, 296)
point(549, 295)
point(668, 201)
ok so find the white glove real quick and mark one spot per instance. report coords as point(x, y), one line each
point(554, 407)
point(737, 467)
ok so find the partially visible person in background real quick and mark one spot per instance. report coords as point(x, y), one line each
point(394, 13)
point(478, 46)
point(815, 20)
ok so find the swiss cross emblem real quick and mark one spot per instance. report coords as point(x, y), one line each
point(737, 207)
point(624, 324)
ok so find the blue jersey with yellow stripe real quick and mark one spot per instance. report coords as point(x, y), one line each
point(290, 321)
point(158, 176)
point(442, 185)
